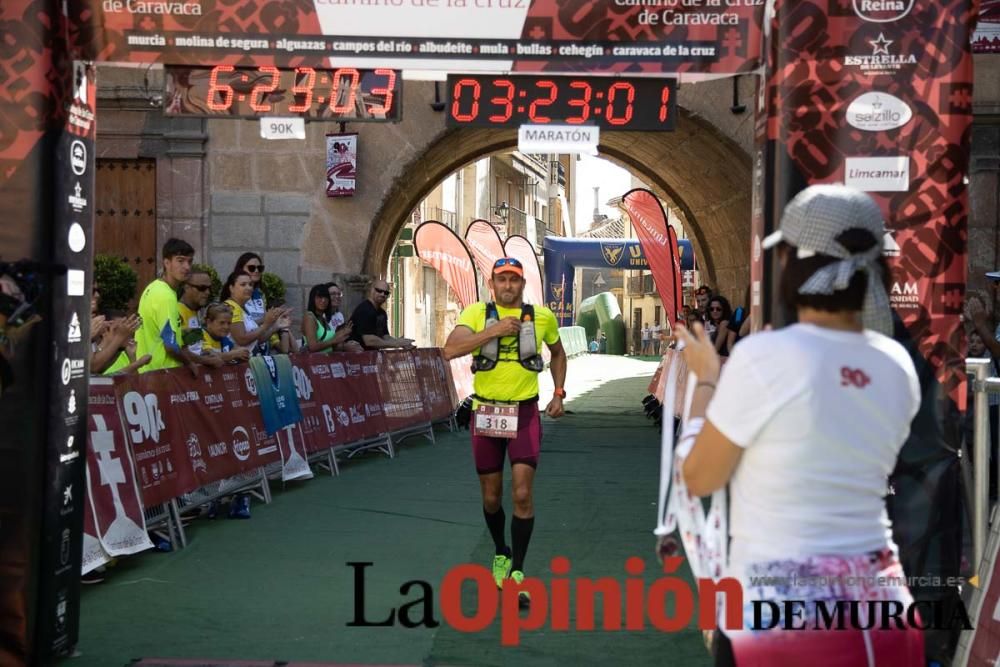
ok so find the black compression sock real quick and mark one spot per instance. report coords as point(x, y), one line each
point(497, 523)
point(520, 535)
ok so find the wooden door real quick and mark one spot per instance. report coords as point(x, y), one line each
point(125, 214)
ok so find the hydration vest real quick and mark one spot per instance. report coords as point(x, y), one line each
point(527, 344)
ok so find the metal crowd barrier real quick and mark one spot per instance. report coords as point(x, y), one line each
point(982, 386)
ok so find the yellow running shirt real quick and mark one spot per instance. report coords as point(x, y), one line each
point(161, 326)
point(509, 381)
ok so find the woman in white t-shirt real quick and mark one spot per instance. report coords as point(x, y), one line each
point(805, 424)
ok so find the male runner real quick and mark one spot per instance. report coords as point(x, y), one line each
point(507, 353)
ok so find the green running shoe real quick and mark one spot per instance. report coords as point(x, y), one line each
point(523, 597)
point(501, 568)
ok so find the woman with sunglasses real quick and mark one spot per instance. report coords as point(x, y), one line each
point(717, 324)
point(237, 292)
point(320, 335)
point(251, 264)
point(805, 424)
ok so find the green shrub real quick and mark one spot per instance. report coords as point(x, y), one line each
point(117, 282)
point(216, 282)
point(273, 288)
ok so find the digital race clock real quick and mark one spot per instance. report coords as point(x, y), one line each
point(610, 103)
point(345, 94)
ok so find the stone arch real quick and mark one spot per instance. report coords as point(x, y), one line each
point(704, 174)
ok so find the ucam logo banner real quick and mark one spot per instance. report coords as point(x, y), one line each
point(540, 139)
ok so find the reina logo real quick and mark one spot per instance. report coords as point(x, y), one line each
point(875, 112)
point(882, 11)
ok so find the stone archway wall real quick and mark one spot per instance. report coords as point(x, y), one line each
point(703, 173)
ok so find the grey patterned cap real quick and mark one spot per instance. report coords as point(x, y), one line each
point(811, 223)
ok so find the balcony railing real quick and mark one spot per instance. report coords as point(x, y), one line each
point(641, 285)
point(441, 215)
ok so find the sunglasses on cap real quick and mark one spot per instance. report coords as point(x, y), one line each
point(507, 261)
point(254, 268)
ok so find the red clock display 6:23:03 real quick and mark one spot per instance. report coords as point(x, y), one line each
point(634, 103)
point(345, 94)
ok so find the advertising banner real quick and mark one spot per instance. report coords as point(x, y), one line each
point(352, 397)
point(485, 246)
point(72, 240)
point(509, 35)
point(341, 164)
point(440, 247)
point(521, 249)
point(659, 245)
point(435, 383)
point(399, 388)
point(319, 423)
point(186, 432)
point(879, 96)
point(112, 491)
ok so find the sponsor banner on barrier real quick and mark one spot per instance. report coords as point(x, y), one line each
point(352, 397)
point(185, 432)
point(402, 400)
point(432, 373)
point(183, 437)
point(112, 491)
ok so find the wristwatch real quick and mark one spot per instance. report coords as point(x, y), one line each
point(560, 392)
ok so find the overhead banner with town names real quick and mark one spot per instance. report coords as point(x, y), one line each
point(714, 36)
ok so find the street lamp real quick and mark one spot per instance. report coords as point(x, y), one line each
point(503, 211)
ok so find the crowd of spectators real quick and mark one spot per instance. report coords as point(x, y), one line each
point(178, 323)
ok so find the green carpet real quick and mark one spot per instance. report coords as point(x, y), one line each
point(277, 587)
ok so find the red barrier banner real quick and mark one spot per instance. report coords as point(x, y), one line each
point(184, 432)
point(187, 432)
point(112, 491)
point(224, 432)
point(321, 428)
point(401, 390)
point(432, 373)
point(351, 396)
